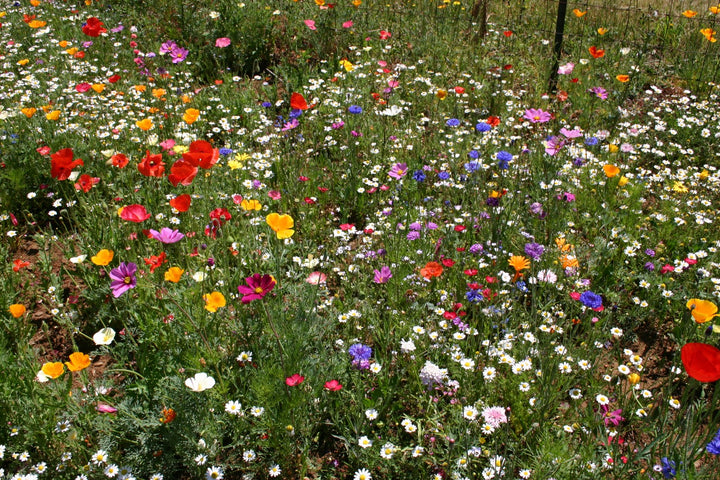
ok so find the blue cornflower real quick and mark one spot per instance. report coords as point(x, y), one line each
point(472, 166)
point(504, 159)
point(453, 122)
point(360, 352)
point(482, 127)
point(474, 296)
point(418, 176)
point(295, 113)
point(226, 151)
point(443, 175)
point(522, 286)
point(591, 300)
point(591, 141)
point(355, 109)
point(474, 154)
point(714, 445)
point(668, 468)
point(266, 104)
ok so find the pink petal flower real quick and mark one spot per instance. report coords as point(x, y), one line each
point(311, 24)
point(103, 408)
point(347, 24)
point(294, 380)
point(222, 42)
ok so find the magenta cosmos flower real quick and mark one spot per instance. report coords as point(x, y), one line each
point(123, 278)
point(167, 235)
point(535, 115)
point(257, 287)
point(398, 170)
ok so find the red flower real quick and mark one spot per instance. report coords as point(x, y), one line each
point(155, 261)
point(701, 361)
point(114, 78)
point(83, 87)
point(202, 154)
point(333, 386)
point(385, 35)
point(86, 182)
point(181, 203)
point(448, 262)
point(182, 172)
point(508, 33)
point(119, 160)
point(62, 164)
point(18, 264)
point(152, 165)
point(493, 121)
point(221, 215)
point(134, 213)
point(596, 52)
point(93, 27)
point(470, 272)
point(298, 102)
point(294, 380)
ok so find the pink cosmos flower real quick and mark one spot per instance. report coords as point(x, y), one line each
point(382, 275)
point(566, 69)
point(274, 194)
point(123, 278)
point(535, 115)
point(222, 42)
point(294, 380)
point(311, 24)
point(613, 416)
point(167, 235)
point(257, 287)
point(316, 278)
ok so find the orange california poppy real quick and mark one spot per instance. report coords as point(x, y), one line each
point(622, 78)
point(702, 310)
point(213, 301)
point(282, 225)
point(103, 257)
point(78, 361)
point(173, 274)
point(53, 369)
point(17, 310)
point(596, 52)
point(610, 170)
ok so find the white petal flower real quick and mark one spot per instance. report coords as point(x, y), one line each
point(201, 381)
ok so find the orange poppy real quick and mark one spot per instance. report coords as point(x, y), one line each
point(610, 170)
point(282, 225)
point(579, 13)
point(173, 274)
point(622, 78)
point(103, 257)
point(702, 310)
point(213, 301)
point(596, 52)
point(17, 310)
point(78, 361)
point(53, 369)
point(431, 269)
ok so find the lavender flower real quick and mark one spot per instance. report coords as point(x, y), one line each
point(123, 278)
point(534, 250)
point(167, 235)
point(383, 275)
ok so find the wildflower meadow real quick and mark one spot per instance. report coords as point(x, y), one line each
point(359, 240)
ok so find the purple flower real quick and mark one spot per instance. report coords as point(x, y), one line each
point(534, 250)
point(360, 352)
point(123, 278)
point(382, 275)
point(482, 127)
point(168, 46)
point(475, 248)
point(166, 235)
point(355, 109)
point(414, 235)
point(178, 54)
point(257, 287)
point(599, 92)
point(398, 171)
point(453, 122)
point(535, 115)
point(536, 208)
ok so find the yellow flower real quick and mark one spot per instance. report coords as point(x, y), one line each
point(623, 181)
point(17, 310)
point(250, 205)
point(356, 3)
point(689, 13)
point(610, 170)
point(53, 369)
point(213, 301)
point(715, 10)
point(281, 224)
point(78, 361)
point(103, 257)
point(579, 13)
point(704, 175)
point(679, 187)
point(441, 94)
point(173, 274)
point(71, 51)
point(602, 31)
point(347, 65)
point(23, 62)
point(709, 34)
point(29, 112)
point(36, 24)
point(612, 148)
point(622, 78)
point(98, 87)
point(702, 310)
point(190, 115)
point(145, 124)
point(54, 115)
point(634, 378)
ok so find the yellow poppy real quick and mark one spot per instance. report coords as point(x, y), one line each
point(213, 301)
point(71, 51)
point(145, 124)
point(29, 112)
point(281, 224)
point(190, 115)
point(702, 310)
point(715, 10)
point(356, 3)
point(250, 205)
point(78, 361)
point(54, 115)
point(610, 170)
point(602, 31)
point(23, 62)
point(441, 94)
point(709, 34)
point(17, 310)
point(53, 369)
point(103, 257)
point(173, 274)
point(98, 87)
point(623, 181)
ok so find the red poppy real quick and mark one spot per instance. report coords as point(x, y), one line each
point(152, 165)
point(181, 203)
point(701, 361)
point(294, 380)
point(86, 182)
point(333, 386)
point(459, 90)
point(18, 264)
point(83, 87)
point(114, 78)
point(448, 262)
point(93, 27)
point(182, 172)
point(220, 215)
point(431, 269)
point(297, 102)
point(202, 154)
point(134, 213)
point(62, 164)
point(508, 33)
point(119, 160)
point(493, 121)
point(155, 261)
point(385, 35)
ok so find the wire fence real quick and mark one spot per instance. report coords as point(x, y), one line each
point(667, 38)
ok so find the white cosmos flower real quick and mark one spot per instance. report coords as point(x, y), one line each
point(201, 381)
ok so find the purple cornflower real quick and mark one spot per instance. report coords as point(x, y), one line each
point(123, 278)
point(383, 275)
point(535, 115)
point(536, 208)
point(650, 252)
point(398, 171)
point(475, 248)
point(534, 250)
point(414, 235)
point(167, 235)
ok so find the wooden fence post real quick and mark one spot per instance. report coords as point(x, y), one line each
point(559, 32)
